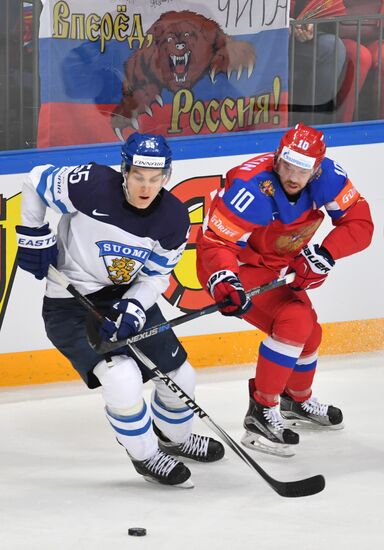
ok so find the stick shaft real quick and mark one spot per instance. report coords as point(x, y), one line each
point(105, 347)
point(63, 281)
point(303, 487)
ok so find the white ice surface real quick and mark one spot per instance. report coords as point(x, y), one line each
point(66, 485)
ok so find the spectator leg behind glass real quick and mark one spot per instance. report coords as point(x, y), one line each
point(347, 97)
point(302, 108)
point(377, 110)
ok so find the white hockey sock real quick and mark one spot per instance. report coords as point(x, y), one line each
point(135, 432)
point(176, 424)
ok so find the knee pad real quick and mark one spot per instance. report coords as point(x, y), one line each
point(122, 384)
point(185, 377)
point(314, 340)
point(294, 323)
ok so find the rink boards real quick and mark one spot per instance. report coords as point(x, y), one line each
point(350, 305)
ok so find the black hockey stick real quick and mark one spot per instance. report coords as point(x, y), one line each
point(300, 488)
point(102, 346)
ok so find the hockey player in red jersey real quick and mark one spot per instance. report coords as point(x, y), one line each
point(258, 227)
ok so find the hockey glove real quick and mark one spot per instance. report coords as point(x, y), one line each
point(311, 266)
point(37, 249)
point(130, 321)
point(226, 285)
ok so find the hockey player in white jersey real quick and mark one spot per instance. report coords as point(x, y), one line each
point(118, 239)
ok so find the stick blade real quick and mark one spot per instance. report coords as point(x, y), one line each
point(301, 488)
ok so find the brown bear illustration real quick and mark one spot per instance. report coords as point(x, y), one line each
point(186, 46)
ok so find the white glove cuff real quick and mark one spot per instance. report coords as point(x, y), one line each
point(28, 241)
point(319, 264)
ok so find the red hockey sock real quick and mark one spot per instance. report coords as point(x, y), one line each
point(300, 382)
point(274, 367)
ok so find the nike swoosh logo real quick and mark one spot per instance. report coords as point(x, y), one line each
point(96, 213)
point(174, 353)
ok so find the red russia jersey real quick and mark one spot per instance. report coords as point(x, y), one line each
point(251, 221)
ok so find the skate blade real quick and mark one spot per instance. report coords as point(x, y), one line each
point(260, 443)
point(188, 484)
point(310, 424)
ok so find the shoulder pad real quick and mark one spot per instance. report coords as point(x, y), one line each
point(251, 200)
point(329, 182)
point(251, 167)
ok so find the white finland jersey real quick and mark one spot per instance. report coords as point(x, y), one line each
point(103, 240)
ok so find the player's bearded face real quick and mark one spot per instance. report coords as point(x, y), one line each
point(142, 185)
point(292, 178)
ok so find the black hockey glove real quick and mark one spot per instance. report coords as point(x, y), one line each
point(130, 321)
point(37, 249)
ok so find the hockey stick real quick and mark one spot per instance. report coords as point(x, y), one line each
point(300, 488)
point(105, 347)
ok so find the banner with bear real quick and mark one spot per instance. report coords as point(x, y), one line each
point(176, 67)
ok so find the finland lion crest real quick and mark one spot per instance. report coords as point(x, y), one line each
point(121, 261)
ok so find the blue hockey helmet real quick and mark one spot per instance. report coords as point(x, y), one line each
point(146, 151)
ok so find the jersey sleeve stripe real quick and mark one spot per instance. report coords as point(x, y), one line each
point(161, 260)
point(41, 187)
point(331, 206)
point(49, 188)
point(56, 201)
point(151, 272)
point(46, 187)
point(347, 196)
point(225, 224)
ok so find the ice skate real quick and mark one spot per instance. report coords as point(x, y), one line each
point(265, 430)
point(197, 447)
point(164, 469)
point(310, 413)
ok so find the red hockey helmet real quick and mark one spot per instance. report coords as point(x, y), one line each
point(302, 146)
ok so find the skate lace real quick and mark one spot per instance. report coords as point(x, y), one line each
point(161, 463)
point(312, 406)
point(272, 415)
point(196, 445)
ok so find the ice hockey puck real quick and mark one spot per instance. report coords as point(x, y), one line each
point(137, 531)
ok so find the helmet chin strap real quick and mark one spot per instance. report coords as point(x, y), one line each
point(125, 188)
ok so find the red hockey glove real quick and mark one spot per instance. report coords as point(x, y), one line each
point(311, 266)
point(225, 284)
